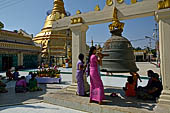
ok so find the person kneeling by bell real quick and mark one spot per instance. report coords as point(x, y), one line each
point(154, 91)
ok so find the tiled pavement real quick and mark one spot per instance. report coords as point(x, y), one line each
point(11, 98)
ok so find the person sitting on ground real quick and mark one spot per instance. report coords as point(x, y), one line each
point(156, 86)
point(33, 85)
point(16, 74)
point(28, 77)
point(150, 73)
point(130, 87)
point(9, 75)
point(21, 86)
point(154, 91)
point(2, 86)
point(135, 76)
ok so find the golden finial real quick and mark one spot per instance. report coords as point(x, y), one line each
point(133, 1)
point(78, 12)
point(115, 14)
point(97, 8)
point(116, 23)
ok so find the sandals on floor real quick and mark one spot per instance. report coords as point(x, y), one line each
point(113, 95)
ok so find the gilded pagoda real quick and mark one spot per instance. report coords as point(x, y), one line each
point(56, 45)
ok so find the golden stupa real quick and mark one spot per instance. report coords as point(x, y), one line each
point(55, 44)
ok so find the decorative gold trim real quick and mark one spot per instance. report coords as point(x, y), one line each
point(164, 4)
point(109, 2)
point(120, 1)
point(18, 46)
point(76, 20)
point(133, 1)
point(97, 8)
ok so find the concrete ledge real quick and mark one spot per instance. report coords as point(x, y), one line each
point(92, 108)
point(164, 101)
point(118, 104)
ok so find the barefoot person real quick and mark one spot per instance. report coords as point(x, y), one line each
point(79, 75)
point(96, 85)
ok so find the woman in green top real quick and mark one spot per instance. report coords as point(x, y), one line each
point(33, 84)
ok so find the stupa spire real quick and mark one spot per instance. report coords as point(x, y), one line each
point(57, 13)
point(58, 7)
point(52, 41)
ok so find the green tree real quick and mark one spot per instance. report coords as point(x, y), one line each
point(153, 52)
point(138, 48)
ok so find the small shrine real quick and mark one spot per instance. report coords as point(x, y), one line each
point(48, 75)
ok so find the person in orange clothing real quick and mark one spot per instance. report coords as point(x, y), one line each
point(135, 77)
point(130, 87)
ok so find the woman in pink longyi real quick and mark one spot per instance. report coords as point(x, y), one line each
point(96, 85)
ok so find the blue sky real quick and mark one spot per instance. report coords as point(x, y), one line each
point(30, 15)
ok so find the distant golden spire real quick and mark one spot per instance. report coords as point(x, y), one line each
point(97, 8)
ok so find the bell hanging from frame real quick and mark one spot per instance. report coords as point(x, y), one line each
point(119, 56)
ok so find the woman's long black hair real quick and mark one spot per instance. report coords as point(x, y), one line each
point(91, 52)
point(81, 57)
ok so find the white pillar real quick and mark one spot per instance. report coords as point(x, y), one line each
point(163, 17)
point(78, 45)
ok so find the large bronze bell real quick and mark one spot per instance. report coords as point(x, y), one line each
point(119, 56)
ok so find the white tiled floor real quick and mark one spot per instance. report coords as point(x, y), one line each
point(67, 79)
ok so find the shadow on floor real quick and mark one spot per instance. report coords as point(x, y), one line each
point(11, 98)
point(123, 101)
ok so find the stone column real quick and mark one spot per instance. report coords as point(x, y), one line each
point(163, 18)
point(20, 58)
point(78, 46)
